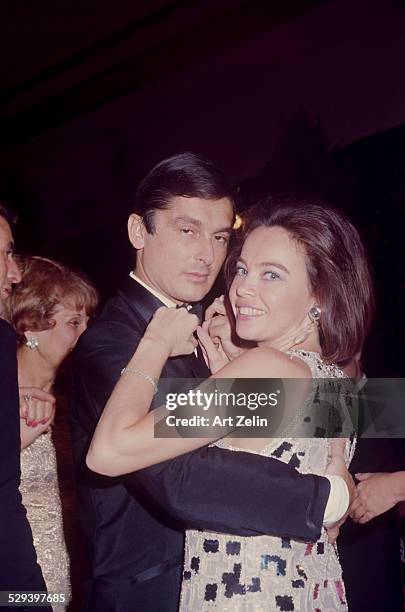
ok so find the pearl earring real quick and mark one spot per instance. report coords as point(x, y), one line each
point(32, 343)
point(315, 314)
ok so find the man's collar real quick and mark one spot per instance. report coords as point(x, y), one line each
point(146, 305)
point(162, 298)
point(140, 300)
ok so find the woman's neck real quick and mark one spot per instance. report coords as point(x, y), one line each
point(310, 343)
point(33, 370)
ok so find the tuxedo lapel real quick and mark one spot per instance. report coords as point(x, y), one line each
point(141, 302)
point(143, 305)
point(197, 365)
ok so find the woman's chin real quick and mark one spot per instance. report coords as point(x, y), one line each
point(244, 333)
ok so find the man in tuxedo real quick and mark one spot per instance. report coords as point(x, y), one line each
point(19, 570)
point(184, 212)
point(370, 551)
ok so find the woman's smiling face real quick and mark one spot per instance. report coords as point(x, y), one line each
point(270, 293)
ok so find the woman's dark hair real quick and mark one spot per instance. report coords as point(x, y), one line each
point(337, 266)
point(188, 175)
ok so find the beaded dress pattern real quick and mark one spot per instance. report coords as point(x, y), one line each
point(40, 495)
point(268, 573)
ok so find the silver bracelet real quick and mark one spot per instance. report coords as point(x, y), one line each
point(152, 381)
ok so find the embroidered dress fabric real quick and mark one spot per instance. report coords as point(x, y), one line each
point(40, 495)
point(267, 573)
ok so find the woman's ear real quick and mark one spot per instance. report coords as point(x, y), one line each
point(136, 231)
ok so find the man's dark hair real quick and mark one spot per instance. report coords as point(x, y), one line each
point(187, 175)
point(10, 217)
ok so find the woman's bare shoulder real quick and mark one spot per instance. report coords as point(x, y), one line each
point(263, 362)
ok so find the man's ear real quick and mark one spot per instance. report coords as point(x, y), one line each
point(136, 231)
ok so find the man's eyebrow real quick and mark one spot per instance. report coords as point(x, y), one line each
point(198, 223)
point(187, 219)
point(227, 230)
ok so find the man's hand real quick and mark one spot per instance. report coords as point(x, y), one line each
point(337, 467)
point(375, 495)
point(37, 407)
point(217, 324)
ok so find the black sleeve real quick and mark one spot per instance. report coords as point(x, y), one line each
point(237, 492)
point(10, 430)
point(210, 488)
point(18, 566)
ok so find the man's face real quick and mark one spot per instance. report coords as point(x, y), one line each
point(182, 258)
point(9, 272)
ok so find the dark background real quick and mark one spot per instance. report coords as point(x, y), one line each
point(285, 94)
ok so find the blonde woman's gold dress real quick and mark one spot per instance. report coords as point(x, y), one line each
point(40, 494)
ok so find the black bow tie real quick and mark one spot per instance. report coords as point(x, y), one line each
point(196, 309)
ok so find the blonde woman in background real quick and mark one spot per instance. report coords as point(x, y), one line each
point(49, 310)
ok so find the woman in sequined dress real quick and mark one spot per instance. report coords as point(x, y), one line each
point(301, 290)
point(49, 310)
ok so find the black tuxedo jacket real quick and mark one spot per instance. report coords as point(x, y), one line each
point(19, 569)
point(370, 553)
point(135, 523)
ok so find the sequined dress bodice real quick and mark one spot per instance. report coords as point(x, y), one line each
point(268, 573)
point(40, 494)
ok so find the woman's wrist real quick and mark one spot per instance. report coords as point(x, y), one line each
point(151, 355)
point(156, 344)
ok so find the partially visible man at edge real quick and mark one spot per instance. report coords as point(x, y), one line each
point(184, 212)
point(19, 570)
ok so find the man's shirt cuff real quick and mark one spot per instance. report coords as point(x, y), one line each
point(338, 501)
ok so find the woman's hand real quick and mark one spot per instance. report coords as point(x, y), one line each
point(218, 325)
point(173, 328)
point(214, 355)
point(37, 412)
point(37, 407)
point(337, 466)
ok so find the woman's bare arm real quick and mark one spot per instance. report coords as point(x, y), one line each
point(124, 438)
point(29, 434)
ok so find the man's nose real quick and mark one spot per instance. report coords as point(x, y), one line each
point(13, 272)
point(205, 252)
